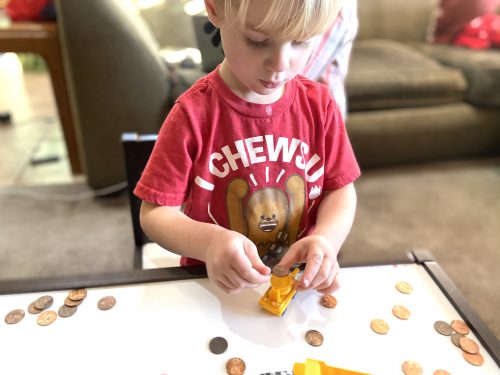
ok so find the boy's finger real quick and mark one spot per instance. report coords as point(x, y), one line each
point(314, 261)
point(256, 262)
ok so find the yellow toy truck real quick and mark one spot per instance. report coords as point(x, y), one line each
point(314, 367)
point(281, 291)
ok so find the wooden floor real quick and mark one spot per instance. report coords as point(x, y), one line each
point(32, 148)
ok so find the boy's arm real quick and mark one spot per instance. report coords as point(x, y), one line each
point(320, 249)
point(232, 259)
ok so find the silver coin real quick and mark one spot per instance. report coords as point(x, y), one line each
point(443, 328)
point(44, 302)
point(218, 345)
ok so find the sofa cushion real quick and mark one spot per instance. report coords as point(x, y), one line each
point(388, 74)
point(480, 68)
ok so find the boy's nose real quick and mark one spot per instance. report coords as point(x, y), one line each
point(279, 58)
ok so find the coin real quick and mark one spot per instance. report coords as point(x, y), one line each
point(401, 312)
point(235, 366)
point(404, 287)
point(77, 294)
point(460, 327)
point(33, 310)
point(15, 316)
point(106, 303)
point(69, 302)
point(468, 345)
point(280, 271)
point(46, 318)
point(328, 301)
point(474, 359)
point(314, 338)
point(411, 368)
point(44, 302)
point(379, 326)
point(443, 328)
point(441, 372)
point(218, 345)
point(455, 339)
point(66, 311)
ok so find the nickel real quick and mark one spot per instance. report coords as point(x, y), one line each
point(455, 339)
point(280, 271)
point(411, 368)
point(44, 302)
point(15, 316)
point(46, 318)
point(106, 303)
point(314, 338)
point(443, 328)
point(379, 326)
point(328, 301)
point(235, 366)
point(218, 345)
point(66, 311)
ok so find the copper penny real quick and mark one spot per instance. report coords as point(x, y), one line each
point(401, 312)
point(455, 339)
point(77, 294)
point(411, 368)
point(33, 310)
point(69, 302)
point(235, 366)
point(314, 338)
point(459, 326)
point(404, 287)
point(280, 271)
point(443, 328)
point(44, 302)
point(218, 345)
point(379, 326)
point(15, 316)
point(474, 359)
point(66, 311)
point(46, 318)
point(328, 301)
point(468, 345)
point(106, 303)
point(441, 372)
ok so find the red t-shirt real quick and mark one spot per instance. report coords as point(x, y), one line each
point(258, 169)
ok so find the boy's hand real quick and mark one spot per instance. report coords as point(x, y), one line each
point(233, 262)
point(321, 263)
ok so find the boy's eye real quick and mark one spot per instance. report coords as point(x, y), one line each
point(300, 43)
point(257, 43)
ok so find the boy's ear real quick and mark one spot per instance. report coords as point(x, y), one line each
point(212, 12)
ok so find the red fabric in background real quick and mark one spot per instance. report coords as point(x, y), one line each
point(29, 10)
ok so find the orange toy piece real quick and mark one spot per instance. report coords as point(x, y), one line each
point(280, 293)
point(314, 367)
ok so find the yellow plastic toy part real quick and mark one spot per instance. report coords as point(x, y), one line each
point(314, 367)
point(280, 293)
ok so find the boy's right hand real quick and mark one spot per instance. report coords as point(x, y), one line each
point(233, 262)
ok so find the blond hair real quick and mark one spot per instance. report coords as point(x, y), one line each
point(286, 19)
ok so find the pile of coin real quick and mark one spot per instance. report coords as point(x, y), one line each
point(457, 330)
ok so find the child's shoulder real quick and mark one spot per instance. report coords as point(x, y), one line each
point(313, 89)
point(197, 91)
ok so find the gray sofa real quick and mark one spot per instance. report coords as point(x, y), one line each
point(409, 101)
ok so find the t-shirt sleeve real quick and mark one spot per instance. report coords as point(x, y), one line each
point(341, 167)
point(166, 179)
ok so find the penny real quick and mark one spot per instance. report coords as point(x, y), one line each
point(235, 366)
point(468, 345)
point(411, 368)
point(218, 345)
point(15, 316)
point(443, 328)
point(77, 294)
point(460, 327)
point(441, 372)
point(401, 312)
point(379, 326)
point(328, 301)
point(106, 303)
point(314, 338)
point(46, 318)
point(473, 359)
point(455, 339)
point(44, 302)
point(404, 287)
point(280, 271)
point(66, 311)
point(33, 310)
point(69, 302)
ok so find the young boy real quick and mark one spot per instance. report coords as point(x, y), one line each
point(256, 155)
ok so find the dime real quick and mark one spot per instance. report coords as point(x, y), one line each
point(33, 310)
point(328, 301)
point(443, 328)
point(379, 326)
point(411, 368)
point(441, 372)
point(106, 303)
point(473, 359)
point(468, 345)
point(314, 338)
point(66, 311)
point(77, 294)
point(218, 345)
point(401, 312)
point(455, 339)
point(69, 302)
point(235, 366)
point(46, 318)
point(460, 327)
point(280, 271)
point(15, 316)
point(404, 287)
point(44, 302)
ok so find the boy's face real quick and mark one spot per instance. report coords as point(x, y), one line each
point(257, 65)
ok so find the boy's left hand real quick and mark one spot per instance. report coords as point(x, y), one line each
point(320, 257)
